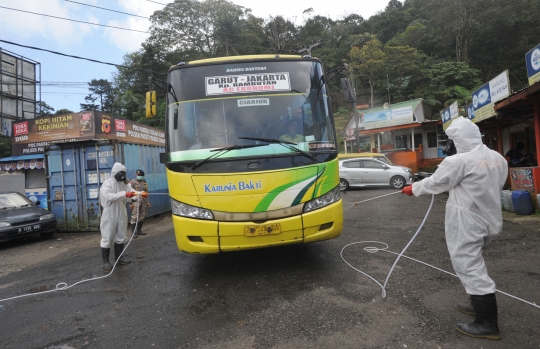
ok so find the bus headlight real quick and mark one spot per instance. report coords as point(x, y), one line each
point(322, 201)
point(184, 210)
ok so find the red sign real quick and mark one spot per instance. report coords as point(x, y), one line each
point(120, 125)
point(21, 128)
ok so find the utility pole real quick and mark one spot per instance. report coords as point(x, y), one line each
point(356, 114)
point(308, 49)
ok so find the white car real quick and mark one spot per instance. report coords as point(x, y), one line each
point(361, 172)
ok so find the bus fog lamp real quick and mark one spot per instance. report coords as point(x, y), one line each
point(322, 201)
point(181, 209)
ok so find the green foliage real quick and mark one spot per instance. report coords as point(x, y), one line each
point(43, 109)
point(63, 111)
point(5, 147)
point(434, 49)
point(101, 91)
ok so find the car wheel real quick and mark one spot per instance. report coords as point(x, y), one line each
point(343, 184)
point(46, 235)
point(397, 182)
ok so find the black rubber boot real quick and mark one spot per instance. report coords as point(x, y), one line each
point(485, 324)
point(118, 248)
point(105, 256)
point(466, 308)
point(139, 228)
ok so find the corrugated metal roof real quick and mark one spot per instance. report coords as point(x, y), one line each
point(22, 157)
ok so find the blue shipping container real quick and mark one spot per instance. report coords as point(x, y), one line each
point(76, 171)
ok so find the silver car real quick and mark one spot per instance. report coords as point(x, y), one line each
point(360, 172)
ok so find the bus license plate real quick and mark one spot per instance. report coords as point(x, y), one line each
point(263, 229)
point(29, 228)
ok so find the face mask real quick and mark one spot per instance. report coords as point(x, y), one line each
point(120, 176)
point(450, 148)
point(140, 178)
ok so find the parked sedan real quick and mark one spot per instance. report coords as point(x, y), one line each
point(20, 217)
point(362, 172)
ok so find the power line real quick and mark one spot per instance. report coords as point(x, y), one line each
point(106, 9)
point(155, 2)
point(74, 20)
point(83, 58)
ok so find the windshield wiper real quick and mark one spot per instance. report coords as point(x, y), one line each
point(24, 205)
point(221, 151)
point(6, 207)
point(288, 145)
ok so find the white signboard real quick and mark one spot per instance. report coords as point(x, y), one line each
point(253, 102)
point(247, 83)
point(499, 87)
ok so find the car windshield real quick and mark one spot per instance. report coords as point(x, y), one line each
point(13, 200)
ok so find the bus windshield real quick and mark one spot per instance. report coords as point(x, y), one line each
point(215, 106)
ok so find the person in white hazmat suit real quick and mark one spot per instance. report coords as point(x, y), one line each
point(114, 193)
point(474, 178)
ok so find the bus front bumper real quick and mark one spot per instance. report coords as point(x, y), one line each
point(205, 237)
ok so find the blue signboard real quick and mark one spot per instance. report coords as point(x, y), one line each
point(533, 64)
point(481, 97)
point(470, 111)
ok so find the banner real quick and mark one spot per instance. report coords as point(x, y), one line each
point(388, 117)
point(532, 58)
point(32, 136)
point(485, 97)
point(449, 114)
point(112, 127)
point(248, 83)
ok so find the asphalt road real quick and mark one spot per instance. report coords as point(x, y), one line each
point(301, 296)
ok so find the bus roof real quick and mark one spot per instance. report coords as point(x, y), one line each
point(244, 58)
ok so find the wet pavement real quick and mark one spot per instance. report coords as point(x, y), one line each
point(300, 296)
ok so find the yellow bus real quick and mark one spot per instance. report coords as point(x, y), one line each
point(251, 153)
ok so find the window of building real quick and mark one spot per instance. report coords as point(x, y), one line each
point(432, 139)
point(418, 139)
point(401, 142)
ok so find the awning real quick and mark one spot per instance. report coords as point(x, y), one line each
point(22, 157)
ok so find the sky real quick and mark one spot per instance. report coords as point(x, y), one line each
point(64, 80)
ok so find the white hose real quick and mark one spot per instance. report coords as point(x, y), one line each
point(372, 249)
point(62, 286)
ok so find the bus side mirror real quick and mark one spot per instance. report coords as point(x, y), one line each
point(151, 104)
point(162, 158)
point(347, 90)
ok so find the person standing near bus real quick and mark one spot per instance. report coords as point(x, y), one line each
point(114, 193)
point(138, 208)
point(474, 176)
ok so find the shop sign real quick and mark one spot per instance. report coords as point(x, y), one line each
point(484, 98)
point(32, 136)
point(532, 58)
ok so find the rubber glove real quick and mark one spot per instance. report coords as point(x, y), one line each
point(130, 194)
point(144, 194)
point(407, 190)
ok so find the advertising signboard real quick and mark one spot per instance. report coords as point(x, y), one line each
point(449, 114)
point(470, 112)
point(484, 98)
point(388, 117)
point(32, 136)
point(532, 58)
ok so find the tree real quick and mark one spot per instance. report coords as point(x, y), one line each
point(369, 62)
point(63, 111)
point(280, 34)
point(43, 109)
point(102, 91)
point(210, 28)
